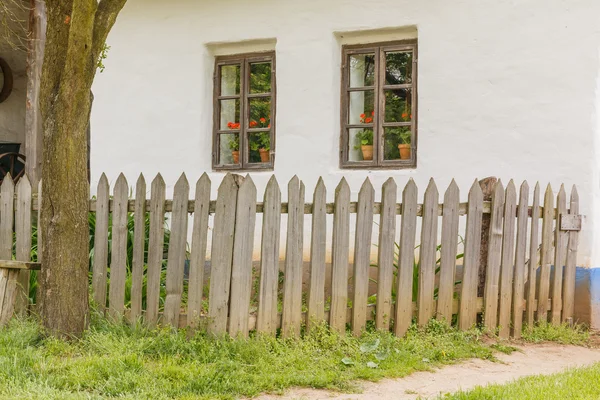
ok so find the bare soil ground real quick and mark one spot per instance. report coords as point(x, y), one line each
point(529, 360)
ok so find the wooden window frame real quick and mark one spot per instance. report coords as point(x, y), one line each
point(244, 60)
point(379, 87)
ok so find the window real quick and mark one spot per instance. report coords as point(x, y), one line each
point(379, 110)
point(244, 112)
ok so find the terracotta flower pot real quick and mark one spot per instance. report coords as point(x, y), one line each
point(367, 152)
point(404, 151)
point(236, 157)
point(264, 155)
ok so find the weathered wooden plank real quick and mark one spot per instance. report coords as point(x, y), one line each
point(518, 301)
point(561, 239)
point(3, 282)
point(241, 271)
point(27, 265)
point(467, 315)
point(23, 241)
point(155, 248)
point(40, 243)
point(177, 248)
point(100, 264)
point(341, 238)
point(198, 250)
point(571, 263)
point(362, 256)
point(490, 316)
point(448, 250)
point(118, 261)
point(406, 259)
point(10, 296)
point(428, 254)
point(533, 258)
point(546, 255)
point(222, 255)
point(508, 260)
point(385, 254)
point(267, 319)
point(292, 284)
point(318, 253)
point(139, 244)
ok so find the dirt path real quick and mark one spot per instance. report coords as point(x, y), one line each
point(531, 360)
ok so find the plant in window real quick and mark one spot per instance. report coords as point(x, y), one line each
point(398, 140)
point(261, 142)
point(234, 144)
point(364, 137)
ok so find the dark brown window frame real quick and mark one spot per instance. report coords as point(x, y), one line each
point(379, 87)
point(244, 60)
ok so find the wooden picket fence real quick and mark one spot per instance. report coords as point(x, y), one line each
point(518, 251)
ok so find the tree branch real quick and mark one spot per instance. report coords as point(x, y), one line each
point(106, 16)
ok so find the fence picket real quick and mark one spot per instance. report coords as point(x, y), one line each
point(318, 253)
point(23, 241)
point(560, 241)
point(427, 261)
point(362, 255)
point(546, 256)
point(198, 250)
point(291, 319)
point(222, 255)
point(467, 315)
point(448, 250)
point(139, 244)
point(571, 263)
point(241, 270)
point(8, 278)
point(176, 255)
point(508, 260)
point(406, 259)
point(490, 317)
point(521, 248)
point(155, 248)
point(269, 264)
point(118, 261)
point(385, 254)
point(533, 256)
point(339, 275)
point(100, 265)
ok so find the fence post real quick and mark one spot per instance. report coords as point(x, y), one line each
point(487, 188)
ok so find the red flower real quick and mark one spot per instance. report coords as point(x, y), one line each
point(369, 120)
point(404, 115)
point(263, 120)
point(230, 125)
point(362, 116)
point(372, 113)
point(269, 126)
point(253, 124)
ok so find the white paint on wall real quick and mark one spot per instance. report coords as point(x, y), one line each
point(506, 88)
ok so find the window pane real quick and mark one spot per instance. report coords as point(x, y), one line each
point(260, 113)
point(397, 142)
point(229, 148)
point(230, 80)
point(362, 70)
point(360, 144)
point(398, 68)
point(362, 107)
point(398, 105)
point(230, 114)
point(260, 147)
point(260, 78)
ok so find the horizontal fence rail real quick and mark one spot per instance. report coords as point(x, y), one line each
point(143, 267)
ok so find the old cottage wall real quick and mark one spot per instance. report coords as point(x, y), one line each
point(506, 89)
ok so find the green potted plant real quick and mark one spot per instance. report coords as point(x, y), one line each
point(262, 143)
point(364, 138)
point(234, 144)
point(404, 145)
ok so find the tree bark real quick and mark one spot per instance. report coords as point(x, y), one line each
point(76, 32)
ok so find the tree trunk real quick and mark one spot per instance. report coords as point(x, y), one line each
point(76, 32)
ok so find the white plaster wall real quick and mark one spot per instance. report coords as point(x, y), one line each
point(506, 88)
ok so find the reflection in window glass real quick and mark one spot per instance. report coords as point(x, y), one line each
point(398, 68)
point(362, 107)
point(229, 148)
point(260, 147)
point(260, 78)
point(230, 80)
point(230, 114)
point(398, 105)
point(260, 113)
point(397, 143)
point(362, 70)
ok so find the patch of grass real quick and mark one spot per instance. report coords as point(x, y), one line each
point(125, 362)
point(575, 384)
point(564, 334)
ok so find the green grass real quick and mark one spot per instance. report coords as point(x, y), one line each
point(564, 334)
point(581, 383)
point(133, 363)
